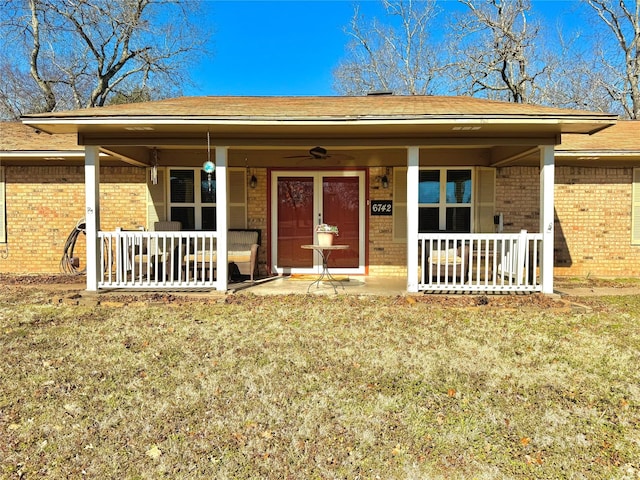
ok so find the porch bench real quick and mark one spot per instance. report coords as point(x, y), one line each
point(451, 264)
point(242, 246)
point(153, 252)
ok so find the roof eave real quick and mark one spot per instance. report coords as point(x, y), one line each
point(567, 123)
point(598, 153)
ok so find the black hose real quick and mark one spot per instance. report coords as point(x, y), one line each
point(67, 262)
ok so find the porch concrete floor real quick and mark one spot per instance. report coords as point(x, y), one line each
point(353, 285)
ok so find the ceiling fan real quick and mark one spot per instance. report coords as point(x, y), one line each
point(321, 153)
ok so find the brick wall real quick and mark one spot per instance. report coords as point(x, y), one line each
point(593, 223)
point(386, 257)
point(592, 217)
point(44, 204)
point(518, 198)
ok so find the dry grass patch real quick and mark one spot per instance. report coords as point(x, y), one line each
point(316, 387)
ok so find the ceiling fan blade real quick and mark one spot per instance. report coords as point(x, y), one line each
point(339, 156)
point(321, 153)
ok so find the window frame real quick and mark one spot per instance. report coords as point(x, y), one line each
point(443, 205)
point(197, 203)
point(237, 208)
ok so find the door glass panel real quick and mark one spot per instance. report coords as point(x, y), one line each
point(428, 219)
point(209, 218)
point(429, 187)
point(295, 222)
point(458, 186)
point(182, 186)
point(459, 219)
point(184, 215)
point(341, 207)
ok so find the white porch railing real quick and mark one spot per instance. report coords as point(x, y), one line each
point(138, 259)
point(448, 262)
point(479, 262)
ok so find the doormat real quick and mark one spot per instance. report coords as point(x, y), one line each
point(310, 277)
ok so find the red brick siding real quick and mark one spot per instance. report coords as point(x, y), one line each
point(592, 217)
point(518, 198)
point(386, 257)
point(593, 223)
point(43, 205)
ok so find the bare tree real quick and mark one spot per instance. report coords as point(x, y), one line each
point(78, 53)
point(495, 51)
point(619, 74)
point(576, 76)
point(18, 92)
point(399, 57)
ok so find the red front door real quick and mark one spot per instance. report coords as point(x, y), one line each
point(302, 200)
point(341, 207)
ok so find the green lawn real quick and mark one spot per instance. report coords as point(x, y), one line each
point(306, 387)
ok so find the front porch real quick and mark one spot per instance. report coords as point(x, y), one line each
point(197, 257)
point(430, 164)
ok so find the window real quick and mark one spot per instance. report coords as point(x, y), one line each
point(194, 203)
point(440, 211)
point(444, 200)
point(192, 197)
point(477, 184)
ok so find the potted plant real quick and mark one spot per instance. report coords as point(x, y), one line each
point(326, 233)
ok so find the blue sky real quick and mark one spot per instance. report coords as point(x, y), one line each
point(274, 47)
point(287, 47)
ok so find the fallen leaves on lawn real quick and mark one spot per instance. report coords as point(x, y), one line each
point(154, 452)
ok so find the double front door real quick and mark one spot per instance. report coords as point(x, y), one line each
point(300, 201)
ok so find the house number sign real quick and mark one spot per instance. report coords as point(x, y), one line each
point(381, 207)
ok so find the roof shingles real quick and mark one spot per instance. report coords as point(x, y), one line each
point(14, 136)
point(382, 106)
point(623, 136)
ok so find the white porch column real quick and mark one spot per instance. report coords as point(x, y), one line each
point(547, 181)
point(221, 218)
point(92, 214)
point(413, 174)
